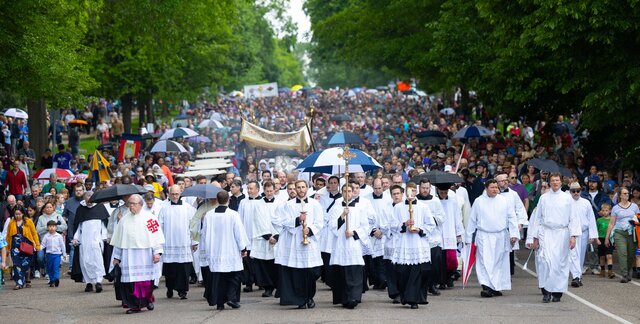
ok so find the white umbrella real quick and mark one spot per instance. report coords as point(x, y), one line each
point(447, 111)
point(168, 146)
point(179, 132)
point(372, 91)
point(16, 113)
point(211, 123)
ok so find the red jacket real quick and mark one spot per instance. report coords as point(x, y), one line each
point(16, 182)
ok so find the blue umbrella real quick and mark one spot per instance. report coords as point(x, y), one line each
point(472, 131)
point(206, 191)
point(283, 90)
point(342, 138)
point(200, 139)
point(328, 162)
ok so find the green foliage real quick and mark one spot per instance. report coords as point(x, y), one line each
point(42, 51)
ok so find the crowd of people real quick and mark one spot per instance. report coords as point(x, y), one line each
point(275, 228)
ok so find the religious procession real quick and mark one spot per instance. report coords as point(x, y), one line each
point(224, 203)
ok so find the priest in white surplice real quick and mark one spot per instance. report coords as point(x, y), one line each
point(493, 220)
point(175, 218)
point(452, 230)
point(328, 202)
point(91, 232)
point(554, 236)
point(349, 229)
point(518, 207)
point(435, 277)
point(381, 205)
point(412, 253)
point(247, 211)
point(137, 245)
point(223, 244)
point(264, 241)
point(584, 211)
point(301, 217)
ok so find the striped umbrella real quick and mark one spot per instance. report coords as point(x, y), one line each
point(329, 162)
point(472, 131)
point(165, 146)
point(342, 138)
point(179, 132)
point(45, 174)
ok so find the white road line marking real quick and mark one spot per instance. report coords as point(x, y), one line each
point(584, 301)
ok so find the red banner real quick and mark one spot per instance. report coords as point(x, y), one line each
point(128, 149)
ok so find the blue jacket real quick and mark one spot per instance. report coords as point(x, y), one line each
point(597, 202)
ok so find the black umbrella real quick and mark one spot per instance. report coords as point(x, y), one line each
point(341, 117)
point(437, 176)
point(117, 192)
point(432, 140)
point(274, 153)
point(206, 191)
point(431, 133)
point(105, 146)
point(549, 166)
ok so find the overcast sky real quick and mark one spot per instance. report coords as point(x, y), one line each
point(298, 16)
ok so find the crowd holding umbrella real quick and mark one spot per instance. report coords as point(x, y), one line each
point(164, 146)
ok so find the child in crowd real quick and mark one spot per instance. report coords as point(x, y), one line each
point(54, 245)
point(605, 253)
point(3, 258)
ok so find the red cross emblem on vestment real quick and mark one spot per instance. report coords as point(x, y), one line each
point(152, 225)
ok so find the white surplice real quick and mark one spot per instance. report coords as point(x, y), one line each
point(555, 224)
point(584, 211)
point(291, 252)
point(329, 202)
point(223, 238)
point(494, 221)
point(452, 224)
point(412, 248)
point(518, 206)
point(263, 225)
point(381, 211)
point(437, 212)
point(175, 221)
point(91, 235)
point(348, 251)
point(247, 211)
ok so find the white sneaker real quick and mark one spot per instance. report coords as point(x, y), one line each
point(36, 274)
point(595, 271)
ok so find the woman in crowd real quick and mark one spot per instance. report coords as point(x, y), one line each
point(619, 225)
point(21, 236)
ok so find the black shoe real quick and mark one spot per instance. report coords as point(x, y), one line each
point(151, 306)
point(546, 298)
point(555, 299)
point(88, 288)
point(267, 293)
point(580, 282)
point(133, 311)
point(303, 306)
point(220, 307)
point(486, 294)
point(51, 285)
point(397, 300)
point(277, 294)
point(233, 304)
point(182, 295)
point(450, 283)
point(434, 291)
point(414, 306)
point(56, 282)
point(169, 293)
point(193, 281)
point(98, 288)
point(311, 303)
point(351, 304)
point(496, 293)
point(442, 286)
point(248, 289)
point(575, 282)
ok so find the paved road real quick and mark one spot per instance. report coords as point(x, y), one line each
point(69, 304)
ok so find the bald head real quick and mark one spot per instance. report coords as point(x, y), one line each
point(174, 193)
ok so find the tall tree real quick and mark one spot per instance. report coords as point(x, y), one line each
point(43, 58)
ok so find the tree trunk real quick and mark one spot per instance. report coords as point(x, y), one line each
point(149, 100)
point(38, 131)
point(465, 102)
point(142, 110)
point(127, 105)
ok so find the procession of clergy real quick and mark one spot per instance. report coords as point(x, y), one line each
point(405, 238)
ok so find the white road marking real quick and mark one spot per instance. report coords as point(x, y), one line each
point(584, 301)
point(632, 281)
